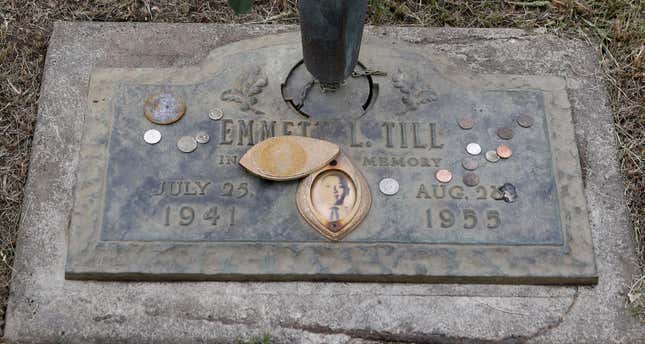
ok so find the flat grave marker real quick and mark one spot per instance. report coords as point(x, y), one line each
point(184, 209)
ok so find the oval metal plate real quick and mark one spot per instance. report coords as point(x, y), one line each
point(288, 157)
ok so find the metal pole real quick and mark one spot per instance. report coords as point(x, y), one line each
point(331, 38)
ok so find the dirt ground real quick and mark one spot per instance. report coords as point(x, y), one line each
point(615, 27)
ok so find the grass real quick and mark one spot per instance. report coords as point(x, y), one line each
point(266, 339)
point(616, 27)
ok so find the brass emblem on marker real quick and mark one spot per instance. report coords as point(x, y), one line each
point(288, 157)
point(335, 199)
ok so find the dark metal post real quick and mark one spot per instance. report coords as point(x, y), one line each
point(331, 38)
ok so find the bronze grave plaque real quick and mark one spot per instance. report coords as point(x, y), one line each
point(472, 178)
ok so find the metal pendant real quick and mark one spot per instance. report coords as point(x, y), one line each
point(288, 157)
point(335, 199)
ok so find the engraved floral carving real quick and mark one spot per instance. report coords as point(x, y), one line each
point(414, 92)
point(250, 84)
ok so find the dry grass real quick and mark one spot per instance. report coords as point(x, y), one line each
point(617, 26)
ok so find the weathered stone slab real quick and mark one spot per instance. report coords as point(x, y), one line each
point(153, 212)
point(45, 307)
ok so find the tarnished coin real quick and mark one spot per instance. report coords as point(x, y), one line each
point(497, 195)
point(466, 123)
point(152, 136)
point(473, 148)
point(216, 114)
point(164, 108)
point(504, 151)
point(470, 164)
point(202, 137)
point(509, 192)
point(187, 144)
point(525, 121)
point(388, 186)
point(505, 133)
point(444, 176)
point(471, 179)
point(492, 156)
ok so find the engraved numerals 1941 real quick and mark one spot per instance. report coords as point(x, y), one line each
point(446, 218)
point(187, 215)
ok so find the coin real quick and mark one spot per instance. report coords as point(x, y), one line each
point(505, 133)
point(504, 151)
point(152, 136)
point(164, 108)
point(473, 148)
point(187, 144)
point(492, 156)
point(444, 176)
point(466, 123)
point(471, 179)
point(216, 114)
point(202, 137)
point(525, 121)
point(470, 164)
point(497, 195)
point(509, 192)
point(388, 186)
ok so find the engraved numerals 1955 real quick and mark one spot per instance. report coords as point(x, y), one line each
point(469, 218)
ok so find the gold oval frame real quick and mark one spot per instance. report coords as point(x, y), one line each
point(358, 213)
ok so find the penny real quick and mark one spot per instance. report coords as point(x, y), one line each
point(505, 133)
point(470, 164)
point(164, 108)
point(492, 156)
point(525, 121)
point(216, 114)
point(473, 148)
point(389, 186)
point(187, 144)
point(504, 151)
point(202, 137)
point(152, 136)
point(471, 179)
point(444, 176)
point(466, 123)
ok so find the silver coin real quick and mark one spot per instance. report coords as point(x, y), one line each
point(388, 186)
point(152, 136)
point(474, 149)
point(525, 121)
point(470, 164)
point(187, 144)
point(492, 156)
point(216, 114)
point(202, 137)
